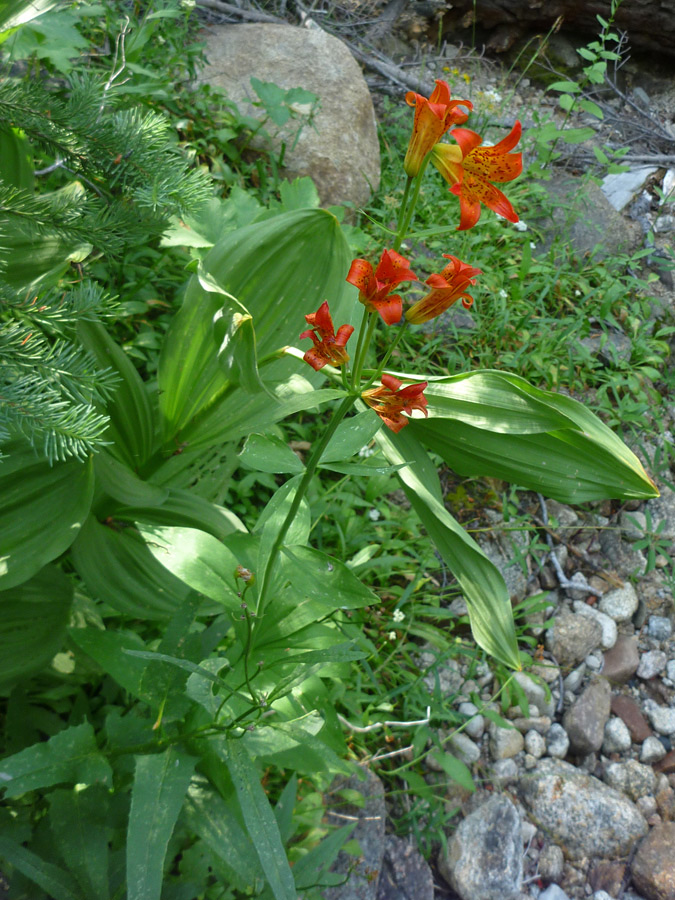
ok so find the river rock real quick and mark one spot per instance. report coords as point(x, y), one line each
point(621, 662)
point(578, 812)
point(484, 859)
point(631, 778)
point(404, 872)
point(662, 510)
point(617, 737)
point(608, 625)
point(572, 637)
point(653, 868)
point(619, 604)
point(585, 720)
point(341, 151)
point(629, 712)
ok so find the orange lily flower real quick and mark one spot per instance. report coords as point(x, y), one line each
point(328, 347)
point(470, 169)
point(391, 400)
point(375, 285)
point(446, 289)
point(433, 117)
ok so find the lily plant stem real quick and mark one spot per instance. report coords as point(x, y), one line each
point(408, 209)
point(400, 229)
point(394, 344)
point(358, 368)
point(310, 469)
point(359, 346)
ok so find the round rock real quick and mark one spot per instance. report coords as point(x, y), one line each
point(631, 778)
point(620, 603)
point(572, 637)
point(585, 720)
point(484, 860)
point(653, 868)
point(557, 742)
point(580, 813)
point(617, 737)
point(652, 664)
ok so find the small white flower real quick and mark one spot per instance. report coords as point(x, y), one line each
point(533, 246)
point(398, 615)
point(366, 451)
point(577, 293)
point(373, 515)
point(520, 225)
point(392, 635)
point(502, 294)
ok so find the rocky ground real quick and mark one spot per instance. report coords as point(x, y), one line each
point(576, 799)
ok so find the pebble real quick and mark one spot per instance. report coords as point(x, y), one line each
point(572, 637)
point(464, 748)
point(670, 669)
point(585, 720)
point(621, 662)
point(557, 742)
point(653, 868)
point(551, 863)
point(574, 679)
point(476, 724)
point(629, 711)
point(652, 750)
point(607, 624)
point(633, 525)
point(601, 895)
point(505, 742)
point(533, 723)
point(631, 778)
point(537, 695)
point(503, 770)
point(535, 744)
point(661, 717)
point(659, 627)
point(553, 892)
point(652, 663)
point(617, 737)
point(620, 603)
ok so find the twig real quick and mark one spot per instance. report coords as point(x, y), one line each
point(563, 580)
point(249, 14)
point(120, 53)
point(392, 753)
point(360, 729)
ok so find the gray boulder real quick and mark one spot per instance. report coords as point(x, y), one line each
point(579, 813)
point(341, 151)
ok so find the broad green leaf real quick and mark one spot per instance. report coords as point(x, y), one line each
point(58, 885)
point(185, 508)
point(80, 830)
point(107, 649)
point(234, 335)
point(280, 270)
point(268, 453)
point(351, 435)
point(497, 402)
point(214, 219)
point(118, 568)
point(273, 516)
point(43, 508)
point(296, 746)
point(157, 795)
point(196, 558)
point(33, 620)
point(576, 465)
point(71, 757)
point(122, 484)
point(17, 12)
point(260, 821)
point(214, 820)
point(483, 587)
point(131, 428)
point(312, 868)
point(283, 810)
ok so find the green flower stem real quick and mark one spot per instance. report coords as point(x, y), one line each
point(406, 218)
point(400, 230)
point(310, 469)
point(359, 346)
point(358, 367)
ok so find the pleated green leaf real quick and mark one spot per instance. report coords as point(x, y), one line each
point(131, 428)
point(483, 587)
point(160, 783)
point(43, 508)
point(57, 884)
point(33, 620)
point(279, 270)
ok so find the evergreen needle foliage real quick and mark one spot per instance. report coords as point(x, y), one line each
point(118, 177)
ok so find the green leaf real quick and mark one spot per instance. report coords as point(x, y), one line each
point(237, 355)
point(119, 482)
point(43, 508)
point(118, 568)
point(196, 558)
point(80, 830)
point(279, 269)
point(268, 453)
point(16, 162)
point(272, 517)
point(260, 821)
point(483, 587)
point(567, 87)
point(17, 12)
point(214, 820)
point(132, 427)
point(574, 465)
point(70, 756)
point(311, 869)
point(576, 135)
point(497, 402)
point(455, 768)
point(107, 648)
point(59, 885)
point(351, 435)
point(33, 620)
point(159, 788)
